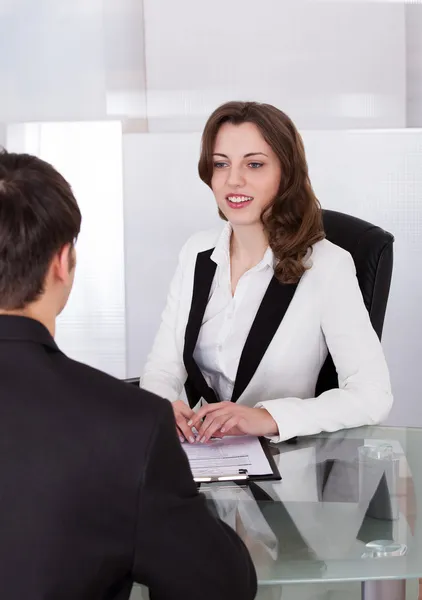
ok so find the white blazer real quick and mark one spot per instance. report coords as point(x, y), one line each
point(324, 313)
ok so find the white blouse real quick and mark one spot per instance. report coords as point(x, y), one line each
point(228, 318)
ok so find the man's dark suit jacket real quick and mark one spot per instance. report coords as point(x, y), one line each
point(95, 490)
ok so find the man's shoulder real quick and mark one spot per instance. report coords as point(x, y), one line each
point(110, 394)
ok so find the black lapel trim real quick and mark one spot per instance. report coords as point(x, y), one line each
point(271, 312)
point(196, 386)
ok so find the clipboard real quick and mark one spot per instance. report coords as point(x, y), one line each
point(242, 476)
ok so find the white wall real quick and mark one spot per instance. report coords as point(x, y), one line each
point(70, 60)
point(54, 66)
point(124, 60)
point(327, 64)
point(165, 202)
point(165, 65)
point(376, 175)
point(414, 64)
point(2, 135)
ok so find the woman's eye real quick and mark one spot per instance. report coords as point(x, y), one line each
point(255, 165)
point(220, 165)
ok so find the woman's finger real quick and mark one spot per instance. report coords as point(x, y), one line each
point(183, 426)
point(204, 411)
point(215, 424)
point(185, 410)
point(230, 425)
point(202, 427)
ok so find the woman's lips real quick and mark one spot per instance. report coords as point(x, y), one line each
point(238, 200)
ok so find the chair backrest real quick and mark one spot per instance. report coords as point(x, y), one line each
point(372, 250)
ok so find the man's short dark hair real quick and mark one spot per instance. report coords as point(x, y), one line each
point(38, 216)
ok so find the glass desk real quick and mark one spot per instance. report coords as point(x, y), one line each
point(340, 514)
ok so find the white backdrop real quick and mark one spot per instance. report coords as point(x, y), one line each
point(376, 175)
point(413, 37)
point(327, 64)
point(70, 60)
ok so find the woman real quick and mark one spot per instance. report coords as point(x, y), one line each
point(254, 309)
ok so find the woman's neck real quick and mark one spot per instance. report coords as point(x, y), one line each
point(248, 244)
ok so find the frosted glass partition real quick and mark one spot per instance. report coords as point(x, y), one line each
point(92, 327)
point(71, 60)
point(327, 64)
point(376, 175)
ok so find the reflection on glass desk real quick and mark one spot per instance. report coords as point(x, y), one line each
point(345, 510)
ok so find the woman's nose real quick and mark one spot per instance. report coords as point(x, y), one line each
point(235, 177)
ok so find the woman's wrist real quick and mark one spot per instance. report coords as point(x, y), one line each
point(271, 427)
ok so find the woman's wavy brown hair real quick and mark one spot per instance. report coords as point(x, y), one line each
point(293, 220)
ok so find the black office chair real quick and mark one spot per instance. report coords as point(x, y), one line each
point(372, 250)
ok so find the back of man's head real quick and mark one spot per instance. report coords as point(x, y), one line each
point(38, 217)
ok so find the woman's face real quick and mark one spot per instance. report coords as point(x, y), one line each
point(246, 173)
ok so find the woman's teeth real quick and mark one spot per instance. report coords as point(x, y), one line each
point(239, 199)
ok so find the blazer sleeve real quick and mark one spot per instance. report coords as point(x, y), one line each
point(364, 394)
point(164, 373)
point(182, 550)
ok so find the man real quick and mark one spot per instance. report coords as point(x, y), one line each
point(95, 490)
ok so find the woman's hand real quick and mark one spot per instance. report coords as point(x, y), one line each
point(228, 418)
point(182, 414)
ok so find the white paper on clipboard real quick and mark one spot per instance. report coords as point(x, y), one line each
point(227, 456)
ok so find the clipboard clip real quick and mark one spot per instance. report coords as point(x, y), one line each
point(241, 475)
